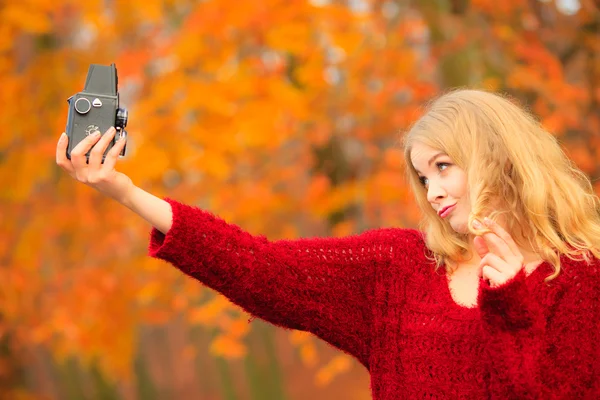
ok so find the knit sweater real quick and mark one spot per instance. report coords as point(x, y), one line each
point(376, 296)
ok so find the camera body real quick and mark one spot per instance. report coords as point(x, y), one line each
point(96, 108)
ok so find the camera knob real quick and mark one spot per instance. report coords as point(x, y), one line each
point(82, 105)
point(121, 117)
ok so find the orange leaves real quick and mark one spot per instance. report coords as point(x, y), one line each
point(229, 343)
point(500, 9)
point(210, 312)
point(229, 105)
point(318, 188)
point(309, 355)
point(349, 41)
point(227, 347)
point(544, 60)
point(86, 316)
point(322, 199)
point(146, 10)
point(214, 313)
point(158, 161)
point(393, 159)
point(238, 328)
point(582, 157)
point(291, 37)
point(338, 365)
point(212, 98)
point(130, 64)
point(305, 342)
point(28, 18)
point(149, 292)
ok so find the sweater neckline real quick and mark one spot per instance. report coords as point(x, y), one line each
point(544, 265)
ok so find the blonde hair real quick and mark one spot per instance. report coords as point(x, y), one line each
point(508, 158)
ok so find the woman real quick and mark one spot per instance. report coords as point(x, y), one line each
point(495, 297)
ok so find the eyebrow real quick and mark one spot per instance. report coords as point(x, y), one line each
point(432, 159)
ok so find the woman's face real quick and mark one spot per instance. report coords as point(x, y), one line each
point(445, 183)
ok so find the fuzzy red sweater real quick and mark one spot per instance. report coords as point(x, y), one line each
point(376, 297)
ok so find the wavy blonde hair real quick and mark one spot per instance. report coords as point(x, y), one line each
point(514, 167)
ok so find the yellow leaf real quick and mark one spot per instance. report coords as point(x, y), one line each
point(216, 165)
point(292, 37)
point(227, 347)
point(28, 20)
point(155, 317)
point(344, 228)
point(308, 354)
point(238, 328)
point(336, 366)
point(208, 312)
point(149, 292)
point(299, 337)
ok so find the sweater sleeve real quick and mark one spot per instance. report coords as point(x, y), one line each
point(321, 285)
point(543, 351)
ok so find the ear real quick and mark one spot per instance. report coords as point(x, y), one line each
point(480, 246)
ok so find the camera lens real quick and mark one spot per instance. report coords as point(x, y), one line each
point(121, 120)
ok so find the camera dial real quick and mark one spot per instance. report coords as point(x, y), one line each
point(121, 120)
point(82, 105)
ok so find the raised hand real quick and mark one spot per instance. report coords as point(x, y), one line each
point(100, 176)
point(501, 258)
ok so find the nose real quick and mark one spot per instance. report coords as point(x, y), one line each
point(435, 192)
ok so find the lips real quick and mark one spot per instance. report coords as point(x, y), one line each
point(442, 212)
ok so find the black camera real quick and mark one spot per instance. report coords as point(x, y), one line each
point(96, 108)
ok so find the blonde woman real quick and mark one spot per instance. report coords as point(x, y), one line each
point(495, 296)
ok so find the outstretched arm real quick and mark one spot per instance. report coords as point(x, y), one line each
point(321, 285)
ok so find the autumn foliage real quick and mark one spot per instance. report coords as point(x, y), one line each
point(282, 116)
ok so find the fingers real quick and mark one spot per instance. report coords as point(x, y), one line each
point(492, 276)
point(480, 246)
point(508, 240)
point(496, 270)
point(78, 158)
point(494, 261)
point(111, 158)
point(99, 148)
point(496, 245)
point(61, 154)
point(497, 241)
point(503, 258)
point(78, 166)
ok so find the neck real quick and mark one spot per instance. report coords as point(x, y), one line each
point(531, 260)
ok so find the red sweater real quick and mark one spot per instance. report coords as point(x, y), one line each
point(376, 297)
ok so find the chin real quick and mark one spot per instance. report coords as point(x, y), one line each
point(460, 227)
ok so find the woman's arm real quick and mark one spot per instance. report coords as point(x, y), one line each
point(321, 285)
point(545, 347)
point(153, 209)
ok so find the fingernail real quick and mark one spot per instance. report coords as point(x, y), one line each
point(97, 133)
point(487, 221)
point(62, 137)
point(477, 224)
point(112, 130)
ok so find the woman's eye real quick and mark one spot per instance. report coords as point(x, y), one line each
point(440, 164)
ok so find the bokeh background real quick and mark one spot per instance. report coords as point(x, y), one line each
point(281, 116)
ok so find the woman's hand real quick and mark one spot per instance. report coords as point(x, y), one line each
point(501, 258)
point(100, 176)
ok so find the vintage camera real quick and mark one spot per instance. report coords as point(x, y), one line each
point(96, 108)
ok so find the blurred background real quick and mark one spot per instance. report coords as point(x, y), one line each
point(281, 116)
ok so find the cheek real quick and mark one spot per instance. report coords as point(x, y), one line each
point(461, 188)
